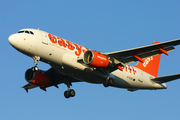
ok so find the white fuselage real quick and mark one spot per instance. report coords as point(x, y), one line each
point(63, 56)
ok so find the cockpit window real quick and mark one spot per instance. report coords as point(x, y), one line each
point(20, 31)
point(31, 32)
point(28, 32)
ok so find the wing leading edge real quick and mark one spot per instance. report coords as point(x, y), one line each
point(127, 56)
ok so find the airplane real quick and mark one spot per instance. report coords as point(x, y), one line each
point(71, 63)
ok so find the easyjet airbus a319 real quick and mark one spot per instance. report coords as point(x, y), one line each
point(71, 63)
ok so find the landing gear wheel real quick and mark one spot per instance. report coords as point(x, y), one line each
point(35, 68)
point(105, 83)
point(67, 94)
point(108, 82)
point(111, 82)
point(72, 93)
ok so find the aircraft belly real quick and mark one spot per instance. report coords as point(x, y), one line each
point(121, 80)
point(125, 79)
point(85, 74)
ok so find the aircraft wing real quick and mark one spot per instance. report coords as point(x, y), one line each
point(55, 79)
point(127, 56)
point(164, 79)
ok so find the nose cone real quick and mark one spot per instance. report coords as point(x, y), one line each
point(12, 40)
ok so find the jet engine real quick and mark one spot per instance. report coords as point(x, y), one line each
point(37, 77)
point(95, 59)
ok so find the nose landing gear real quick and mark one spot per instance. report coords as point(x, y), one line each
point(35, 59)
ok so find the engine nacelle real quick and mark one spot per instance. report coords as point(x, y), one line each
point(38, 77)
point(95, 59)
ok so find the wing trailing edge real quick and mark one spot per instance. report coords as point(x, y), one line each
point(164, 79)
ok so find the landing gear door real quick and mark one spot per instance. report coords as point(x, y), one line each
point(44, 38)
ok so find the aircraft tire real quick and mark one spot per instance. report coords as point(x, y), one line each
point(72, 93)
point(105, 83)
point(111, 82)
point(35, 68)
point(67, 94)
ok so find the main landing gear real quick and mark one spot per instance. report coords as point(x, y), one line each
point(108, 82)
point(70, 92)
point(35, 59)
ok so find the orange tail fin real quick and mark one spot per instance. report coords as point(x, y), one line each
point(150, 65)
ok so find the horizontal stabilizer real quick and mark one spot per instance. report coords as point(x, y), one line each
point(164, 79)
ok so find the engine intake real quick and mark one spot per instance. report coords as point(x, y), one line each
point(38, 77)
point(95, 59)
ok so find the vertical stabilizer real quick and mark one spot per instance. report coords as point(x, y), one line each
point(150, 64)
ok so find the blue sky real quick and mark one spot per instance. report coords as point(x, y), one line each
point(103, 25)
